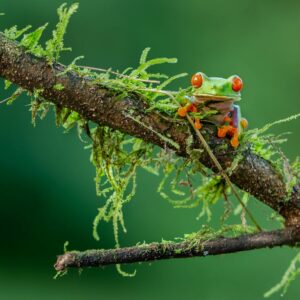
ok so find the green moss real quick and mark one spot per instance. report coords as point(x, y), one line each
point(58, 87)
point(55, 46)
point(289, 276)
point(207, 233)
point(268, 147)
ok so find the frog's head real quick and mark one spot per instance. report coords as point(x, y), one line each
point(216, 89)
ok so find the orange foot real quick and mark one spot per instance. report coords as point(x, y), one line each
point(182, 111)
point(235, 141)
point(234, 133)
point(192, 108)
point(223, 130)
point(197, 124)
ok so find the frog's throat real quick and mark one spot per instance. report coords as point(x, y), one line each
point(209, 97)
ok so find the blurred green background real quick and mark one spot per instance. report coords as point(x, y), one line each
point(46, 181)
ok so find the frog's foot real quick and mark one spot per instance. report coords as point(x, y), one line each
point(223, 130)
point(183, 110)
point(197, 124)
point(234, 133)
point(226, 128)
point(235, 141)
point(192, 108)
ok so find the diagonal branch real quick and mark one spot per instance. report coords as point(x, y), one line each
point(186, 249)
point(103, 106)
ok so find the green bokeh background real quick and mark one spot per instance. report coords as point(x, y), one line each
point(46, 181)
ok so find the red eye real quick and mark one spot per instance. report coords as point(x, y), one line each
point(237, 84)
point(197, 80)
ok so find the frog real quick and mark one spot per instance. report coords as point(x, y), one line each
point(219, 96)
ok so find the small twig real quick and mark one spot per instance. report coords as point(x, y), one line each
point(227, 207)
point(185, 249)
point(243, 217)
point(5, 100)
point(120, 75)
point(12, 97)
point(167, 93)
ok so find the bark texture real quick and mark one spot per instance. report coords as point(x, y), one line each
point(159, 251)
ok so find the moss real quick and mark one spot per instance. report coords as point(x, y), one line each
point(58, 87)
point(267, 146)
point(290, 275)
point(178, 251)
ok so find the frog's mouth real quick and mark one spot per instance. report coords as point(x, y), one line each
point(209, 97)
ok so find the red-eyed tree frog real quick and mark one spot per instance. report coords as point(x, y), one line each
point(219, 95)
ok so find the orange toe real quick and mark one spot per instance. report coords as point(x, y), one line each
point(234, 142)
point(244, 123)
point(193, 108)
point(232, 131)
point(182, 111)
point(223, 130)
point(197, 124)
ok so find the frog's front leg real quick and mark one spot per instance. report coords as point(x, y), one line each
point(183, 110)
point(190, 107)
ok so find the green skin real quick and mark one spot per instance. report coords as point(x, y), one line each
point(216, 93)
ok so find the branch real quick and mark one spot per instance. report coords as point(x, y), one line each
point(103, 106)
point(186, 249)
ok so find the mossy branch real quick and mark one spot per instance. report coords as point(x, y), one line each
point(107, 107)
point(185, 249)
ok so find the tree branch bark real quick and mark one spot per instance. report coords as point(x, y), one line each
point(168, 250)
point(103, 106)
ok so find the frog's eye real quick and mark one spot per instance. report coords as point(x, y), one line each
point(237, 84)
point(197, 80)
